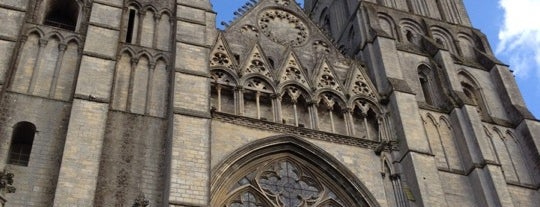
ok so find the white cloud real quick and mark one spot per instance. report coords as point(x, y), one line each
point(520, 36)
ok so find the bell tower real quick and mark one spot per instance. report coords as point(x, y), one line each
point(454, 104)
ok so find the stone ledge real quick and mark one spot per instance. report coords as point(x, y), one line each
point(183, 204)
point(303, 132)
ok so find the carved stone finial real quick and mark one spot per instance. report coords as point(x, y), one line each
point(141, 201)
point(6, 182)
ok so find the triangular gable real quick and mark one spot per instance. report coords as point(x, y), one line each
point(359, 85)
point(326, 78)
point(291, 70)
point(221, 55)
point(256, 63)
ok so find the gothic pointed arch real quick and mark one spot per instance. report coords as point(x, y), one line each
point(224, 81)
point(287, 171)
point(257, 97)
point(295, 107)
point(331, 112)
point(473, 93)
point(443, 37)
point(358, 85)
point(367, 121)
point(325, 78)
point(256, 63)
point(292, 71)
point(410, 30)
point(221, 55)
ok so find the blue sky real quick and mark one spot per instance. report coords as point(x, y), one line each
point(512, 27)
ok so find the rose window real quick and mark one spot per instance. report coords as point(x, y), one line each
point(283, 27)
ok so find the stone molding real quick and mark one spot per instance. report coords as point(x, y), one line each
point(303, 132)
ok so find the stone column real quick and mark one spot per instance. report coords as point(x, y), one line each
point(486, 175)
point(189, 173)
point(478, 159)
point(77, 181)
point(418, 163)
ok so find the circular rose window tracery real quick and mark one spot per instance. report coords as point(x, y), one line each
point(283, 27)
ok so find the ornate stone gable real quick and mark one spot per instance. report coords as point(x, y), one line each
point(256, 63)
point(278, 25)
point(358, 84)
point(326, 78)
point(221, 55)
point(292, 71)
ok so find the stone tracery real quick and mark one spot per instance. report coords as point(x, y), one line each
point(283, 182)
point(283, 27)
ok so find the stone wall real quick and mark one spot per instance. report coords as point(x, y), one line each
point(133, 160)
point(35, 183)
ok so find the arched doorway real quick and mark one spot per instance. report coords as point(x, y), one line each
point(285, 171)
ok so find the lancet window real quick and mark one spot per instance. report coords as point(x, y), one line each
point(511, 157)
point(425, 78)
point(147, 27)
point(223, 95)
point(294, 107)
point(473, 94)
point(330, 111)
point(365, 120)
point(257, 96)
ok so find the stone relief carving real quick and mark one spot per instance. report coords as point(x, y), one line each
point(250, 30)
point(220, 56)
point(360, 85)
point(6, 182)
point(257, 64)
point(326, 78)
point(293, 92)
point(292, 71)
point(258, 85)
point(283, 2)
point(283, 27)
point(222, 77)
point(321, 47)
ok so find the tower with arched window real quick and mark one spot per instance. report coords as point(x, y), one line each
point(371, 103)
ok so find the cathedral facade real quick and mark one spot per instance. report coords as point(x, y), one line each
point(342, 103)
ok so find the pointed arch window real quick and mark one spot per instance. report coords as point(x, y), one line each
point(365, 121)
point(425, 78)
point(21, 143)
point(132, 25)
point(294, 107)
point(331, 114)
point(257, 99)
point(473, 94)
point(222, 92)
point(283, 180)
point(475, 97)
point(63, 14)
point(424, 83)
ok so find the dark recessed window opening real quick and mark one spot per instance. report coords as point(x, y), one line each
point(63, 14)
point(21, 143)
point(425, 89)
point(131, 26)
